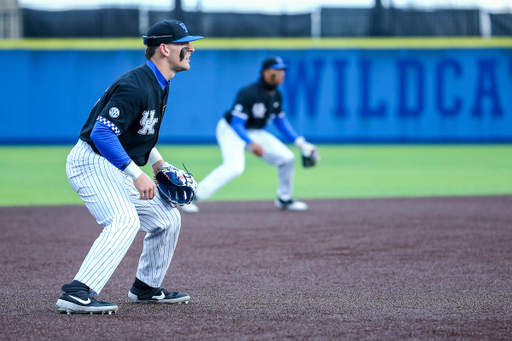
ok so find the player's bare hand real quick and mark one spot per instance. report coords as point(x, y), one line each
point(145, 186)
point(156, 165)
point(256, 149)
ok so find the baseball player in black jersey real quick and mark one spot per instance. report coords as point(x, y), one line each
point(242, 128)
point(103, 168)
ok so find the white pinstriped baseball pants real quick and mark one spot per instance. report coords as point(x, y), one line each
point(233, 156)
point(113, 200)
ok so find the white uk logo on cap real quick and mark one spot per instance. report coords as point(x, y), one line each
point(183, 26)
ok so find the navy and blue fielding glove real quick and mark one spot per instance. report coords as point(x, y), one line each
point(176, 186)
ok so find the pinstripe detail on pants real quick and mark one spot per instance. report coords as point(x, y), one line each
point(113, 200)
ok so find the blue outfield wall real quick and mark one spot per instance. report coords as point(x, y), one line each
point(356, 95)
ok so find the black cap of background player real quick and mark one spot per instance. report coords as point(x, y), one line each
point(168, 31)
point(275, 63)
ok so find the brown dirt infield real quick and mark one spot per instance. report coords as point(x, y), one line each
point(366, 269)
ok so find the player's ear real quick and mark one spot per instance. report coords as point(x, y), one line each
point(164, 49)
point(266, 74)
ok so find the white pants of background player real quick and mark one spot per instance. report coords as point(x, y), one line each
point(233, 156)
point(112, 199)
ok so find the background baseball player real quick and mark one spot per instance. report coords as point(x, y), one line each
point(243, 128)
point(103, 168)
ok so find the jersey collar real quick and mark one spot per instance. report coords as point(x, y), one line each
point(161, 79)
point(267, 86)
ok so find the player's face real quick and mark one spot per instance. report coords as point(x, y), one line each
point(179, 56)
point(273, 77)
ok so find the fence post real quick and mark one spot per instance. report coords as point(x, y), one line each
point(316, 23)
point(10, 19)
point(143, 20)
point(485, 24)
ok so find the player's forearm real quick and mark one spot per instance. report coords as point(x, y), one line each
point(155, 159)
point(286, 128)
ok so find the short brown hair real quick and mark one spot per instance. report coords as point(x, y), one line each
point(150, 51)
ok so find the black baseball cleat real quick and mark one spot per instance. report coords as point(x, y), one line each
point(143, 293)
point(76, 300)
point(292, 205)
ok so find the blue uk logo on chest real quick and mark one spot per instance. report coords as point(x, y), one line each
point(148, 122)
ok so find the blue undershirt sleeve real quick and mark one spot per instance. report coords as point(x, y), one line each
point(109, 146)
point(286, 128)
point(238, 125)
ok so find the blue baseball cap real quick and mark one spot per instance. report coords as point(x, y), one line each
point(275, 63)
point(168, 31)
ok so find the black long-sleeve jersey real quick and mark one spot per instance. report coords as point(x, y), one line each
point(256, 105)
point(133, 107)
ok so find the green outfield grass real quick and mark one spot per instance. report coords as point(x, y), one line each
point(265, 43)
point(36, 175)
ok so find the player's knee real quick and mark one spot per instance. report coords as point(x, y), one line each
point(233, 170)
point(127, 226)
point(168, 221)
point(121, 221)
point(288, 158)
point(237, 171)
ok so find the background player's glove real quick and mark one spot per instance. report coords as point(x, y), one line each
point(310, 156)
point(175, 185)
point(310, 153)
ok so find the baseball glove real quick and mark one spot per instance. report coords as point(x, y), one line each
point(310, 155)
point(176, 186)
